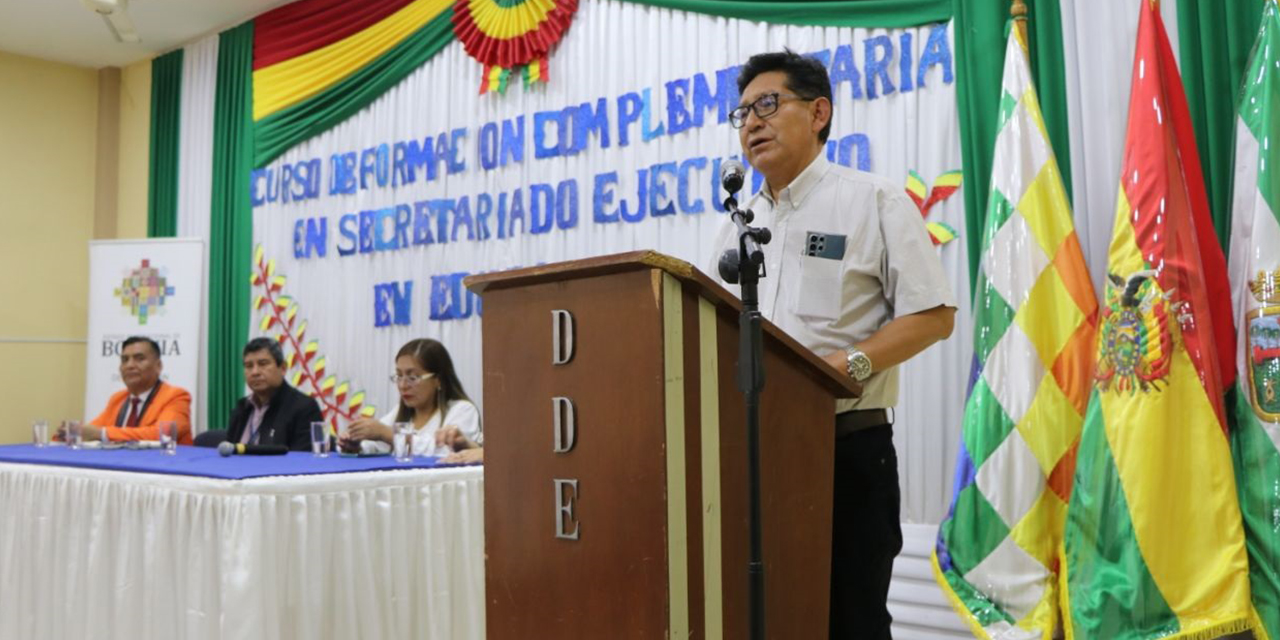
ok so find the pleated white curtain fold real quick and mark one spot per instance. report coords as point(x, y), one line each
point(1098, 41)
point(195, 176)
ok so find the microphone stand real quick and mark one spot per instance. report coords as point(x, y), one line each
point(745, 265)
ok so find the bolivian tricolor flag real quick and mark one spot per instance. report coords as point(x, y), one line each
point(1255, 279)
point(304, 51)
point(1153, 541)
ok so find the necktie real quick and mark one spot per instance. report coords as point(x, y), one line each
point(133, 413)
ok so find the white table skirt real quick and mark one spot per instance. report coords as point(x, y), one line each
point(87, 554)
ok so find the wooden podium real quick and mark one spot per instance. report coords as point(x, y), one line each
point(616, 458)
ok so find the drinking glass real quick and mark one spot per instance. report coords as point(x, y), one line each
point(40, 433)
point(73, 432)
point(168, 437)
point(402, 441)
point(320, 439)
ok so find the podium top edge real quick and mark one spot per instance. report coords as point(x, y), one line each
point(839, 385)
point(583, 268)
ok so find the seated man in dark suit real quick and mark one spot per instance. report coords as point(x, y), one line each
point(274, 412)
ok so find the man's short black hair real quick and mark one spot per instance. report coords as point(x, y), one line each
point(806, 77)
point(271, 346)
point(155, 348)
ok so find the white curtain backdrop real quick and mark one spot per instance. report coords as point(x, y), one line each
point(195, 149)
point(598, 58)
point(1098, 40)
point(613, 48)
point(195, 176)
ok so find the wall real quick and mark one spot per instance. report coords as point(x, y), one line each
point(49, 136)
point(135, 151)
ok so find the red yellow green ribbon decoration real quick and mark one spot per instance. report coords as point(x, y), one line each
point(507, 35)
point(943, 188)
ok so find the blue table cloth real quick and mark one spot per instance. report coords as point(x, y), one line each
point(199, 461)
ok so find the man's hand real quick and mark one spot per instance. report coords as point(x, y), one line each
point(899, 340)
point(838, 361)
point(88, 433)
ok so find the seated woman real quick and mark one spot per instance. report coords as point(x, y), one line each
point(430, 397)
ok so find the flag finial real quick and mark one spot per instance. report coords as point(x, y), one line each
point(1019, 14)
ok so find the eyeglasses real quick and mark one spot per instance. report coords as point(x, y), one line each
point(764, 106)
point(411, 379)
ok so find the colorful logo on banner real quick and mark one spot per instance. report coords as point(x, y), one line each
point(1137, 338)
point(511, 36)
point(304, 365)
point(143, 291)
point(944, 187)
point(1264, 347)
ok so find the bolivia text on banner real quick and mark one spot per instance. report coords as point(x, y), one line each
point(1035, 322)
point(1153, 542)
point(1255, 271)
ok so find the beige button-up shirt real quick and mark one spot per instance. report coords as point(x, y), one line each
point(849, 253)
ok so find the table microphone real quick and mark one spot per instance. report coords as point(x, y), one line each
point(229, 448)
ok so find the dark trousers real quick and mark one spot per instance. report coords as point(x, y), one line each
point(866, 533)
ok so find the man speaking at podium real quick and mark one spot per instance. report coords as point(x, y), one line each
point(852, 275)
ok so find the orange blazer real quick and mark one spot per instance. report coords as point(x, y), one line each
point(170, 403)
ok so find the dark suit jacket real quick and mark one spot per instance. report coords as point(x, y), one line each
point(288, 419)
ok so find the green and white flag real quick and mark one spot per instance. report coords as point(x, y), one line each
point(1255, 279)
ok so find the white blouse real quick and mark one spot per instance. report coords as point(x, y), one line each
point(460, 413)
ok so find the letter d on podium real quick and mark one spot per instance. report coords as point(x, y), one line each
point(566, 435)
point(561, 337)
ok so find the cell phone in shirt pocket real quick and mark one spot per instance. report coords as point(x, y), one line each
point(824, 245)
point(819, 294)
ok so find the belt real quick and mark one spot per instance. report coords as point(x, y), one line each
point(859, 419)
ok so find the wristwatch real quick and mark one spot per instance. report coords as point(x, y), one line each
point(857, 364)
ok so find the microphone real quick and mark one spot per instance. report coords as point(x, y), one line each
point(731, 175)
point(228, 448)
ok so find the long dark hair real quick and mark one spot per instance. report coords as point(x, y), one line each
point(433, 358)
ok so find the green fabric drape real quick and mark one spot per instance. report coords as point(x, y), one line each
point(980, 27)
point(1049, 72)
point(166, 118)
point(1214, 41)
point(980, 37)
point(231, 222)
point(280, 131)
point(886, 14)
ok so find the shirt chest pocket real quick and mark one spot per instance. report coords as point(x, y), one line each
point(819, 295)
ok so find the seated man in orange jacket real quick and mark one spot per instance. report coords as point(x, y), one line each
point(134, 412)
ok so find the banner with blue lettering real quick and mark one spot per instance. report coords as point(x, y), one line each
point(365, 233)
